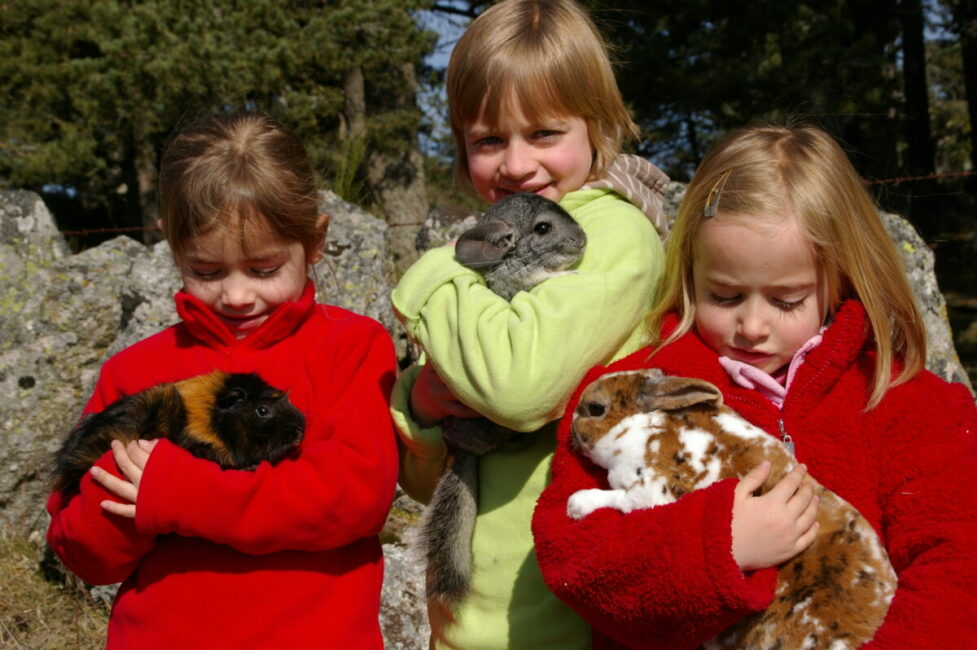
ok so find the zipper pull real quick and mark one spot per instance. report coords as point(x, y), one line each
point(785, 437)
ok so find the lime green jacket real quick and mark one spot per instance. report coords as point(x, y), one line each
point(518, 363)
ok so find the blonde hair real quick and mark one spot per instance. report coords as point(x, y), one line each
point(549, 56)
point(803, 171)
point(243, 171)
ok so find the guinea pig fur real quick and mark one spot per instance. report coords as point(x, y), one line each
point(236, 420)
point(661, 437)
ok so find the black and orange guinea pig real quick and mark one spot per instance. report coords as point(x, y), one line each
point(236, 420)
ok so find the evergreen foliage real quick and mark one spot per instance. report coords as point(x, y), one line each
point(93, 88)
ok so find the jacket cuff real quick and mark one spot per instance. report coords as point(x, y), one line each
point(436, 268)
point(156, 492)
point(754, 590)
point(423, 442)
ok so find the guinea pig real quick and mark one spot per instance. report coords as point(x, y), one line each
point(521, 241)
point(236, 420)
point(660, 437)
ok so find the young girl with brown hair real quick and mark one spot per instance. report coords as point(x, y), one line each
point(285, 556)
point(785, 291)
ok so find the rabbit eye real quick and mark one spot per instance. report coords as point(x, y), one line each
point(542, 228)
point(262, 411)
point(595, 409)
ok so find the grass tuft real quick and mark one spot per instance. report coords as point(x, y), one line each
point(39, 614)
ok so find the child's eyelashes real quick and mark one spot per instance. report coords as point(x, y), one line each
point(544, 134)
point(724, 300)
point(779, 303)
point(488, 141)
point(787, 305)
point(217, 274)
point(204, 274)
point(265, 272)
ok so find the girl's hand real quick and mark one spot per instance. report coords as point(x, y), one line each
point(772, 528)
point(431, 400)
point(131, 459)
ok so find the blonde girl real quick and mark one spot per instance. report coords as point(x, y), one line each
point(785, 291)
point(534, 108)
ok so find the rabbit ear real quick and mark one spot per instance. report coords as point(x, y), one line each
point(485, 245)
point(674, 393)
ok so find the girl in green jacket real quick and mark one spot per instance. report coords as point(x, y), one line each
point(534, 107)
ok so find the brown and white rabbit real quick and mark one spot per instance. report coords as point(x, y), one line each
point(519, 242)
point(661, 437)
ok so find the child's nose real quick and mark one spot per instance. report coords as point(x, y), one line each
point(518, 161)
point(236, 292)
point(752, 323)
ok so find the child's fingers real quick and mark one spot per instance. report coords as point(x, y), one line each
point(787, 486)
point(801, 500)
point(129, 468)
point(806, 539)
point(753, 480)
point(809, 515)
point(122, 489)
point(120, 509)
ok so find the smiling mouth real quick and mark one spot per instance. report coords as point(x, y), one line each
point(528, 190)
point(242, 322)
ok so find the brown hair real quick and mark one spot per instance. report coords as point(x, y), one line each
point(802, 171)
point(548, 56)
point(240, 170)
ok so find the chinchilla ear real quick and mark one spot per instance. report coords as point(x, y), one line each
point(485, 245)
point(673, 393)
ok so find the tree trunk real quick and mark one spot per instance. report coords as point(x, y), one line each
point(919, 139)
point(965, 17)
point(396, 181)
point(923, 210)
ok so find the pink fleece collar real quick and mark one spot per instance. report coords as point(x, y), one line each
point(773, 387)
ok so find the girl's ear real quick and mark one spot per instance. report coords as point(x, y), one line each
point(321, 226)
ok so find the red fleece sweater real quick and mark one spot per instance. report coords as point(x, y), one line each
point(665, 577)
point(280, 557)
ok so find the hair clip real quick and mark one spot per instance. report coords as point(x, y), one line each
point(712, 201)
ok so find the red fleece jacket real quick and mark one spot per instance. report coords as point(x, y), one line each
point(665, 577)
point(280, 557)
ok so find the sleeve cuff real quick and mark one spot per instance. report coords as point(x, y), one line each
point(436, 268)
point(755, 590)
point(425, 443)
point(155, 492)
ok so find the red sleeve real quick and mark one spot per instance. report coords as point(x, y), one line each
point(657, 578)
point(930, 519)
point(98, 547)
point(337, 490)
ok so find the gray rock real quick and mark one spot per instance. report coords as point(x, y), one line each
point(62, 315)
point(356, 271)
point(403, 613)
point(941, 355)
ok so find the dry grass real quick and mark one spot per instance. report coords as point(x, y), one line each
point(38, 614)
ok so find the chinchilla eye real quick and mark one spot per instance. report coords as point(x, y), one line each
point(542, 227)
point(262, 411)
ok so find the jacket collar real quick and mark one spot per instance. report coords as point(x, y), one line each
point(204, 325)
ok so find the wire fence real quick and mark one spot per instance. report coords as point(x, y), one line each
point(883, 181)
